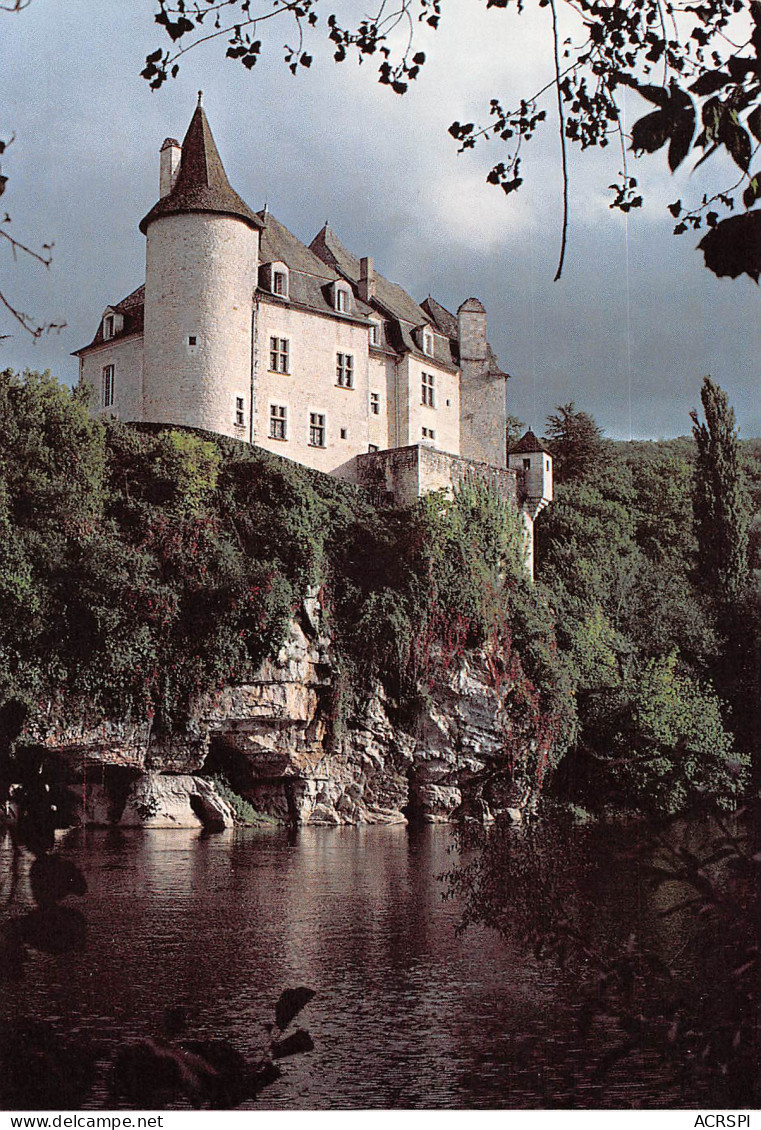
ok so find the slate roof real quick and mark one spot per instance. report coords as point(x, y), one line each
point(310, 279)
point(202, 184)
point(391, 297)
point(440, 316)
point(406, 317)
point(131, 308)
point(528, 444)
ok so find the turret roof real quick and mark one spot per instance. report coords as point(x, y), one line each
point(202, 184)
point(528, 444)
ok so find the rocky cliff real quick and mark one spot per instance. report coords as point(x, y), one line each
point(277, 742)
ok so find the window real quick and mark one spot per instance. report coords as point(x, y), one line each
point(428, 342)
point(343, 433)
point(240, 412)
point(428, 390)
point(108, 326)
point(279, 362)
point(316, 429)
point(278, 421)
point(342, 300)
point(192, 339)
point(280, 283)
point(344, 370)
point(429, 433)
point(375, 403)
point(375, 333)
point(108, 386)
point(372, 447)
point(548, 464)
point(526, 464)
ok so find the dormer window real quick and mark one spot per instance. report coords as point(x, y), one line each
point(428, 343)
point(375, 333)
point(274, 277)
point(112, 324)
point(341, 299)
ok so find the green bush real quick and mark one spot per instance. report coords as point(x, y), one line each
point(675, 753)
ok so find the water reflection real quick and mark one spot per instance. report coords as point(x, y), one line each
point(409, 1012)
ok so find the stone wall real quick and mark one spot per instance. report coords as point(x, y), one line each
point(126, 356)
point(407, 473)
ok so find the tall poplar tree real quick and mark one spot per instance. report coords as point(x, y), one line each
point(720, 499)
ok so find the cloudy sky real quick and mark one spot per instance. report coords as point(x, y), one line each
point(628, 333)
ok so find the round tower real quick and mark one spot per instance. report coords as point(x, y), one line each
point(202, 260)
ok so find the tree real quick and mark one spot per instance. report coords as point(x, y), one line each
point(576, 443)
point(720, 499)
point(514, 429)
point(698, 67)
point(674, 751)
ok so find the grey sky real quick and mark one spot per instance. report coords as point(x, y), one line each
point(628, 333)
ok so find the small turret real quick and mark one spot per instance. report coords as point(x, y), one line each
point(532, 462)
point(471, 330)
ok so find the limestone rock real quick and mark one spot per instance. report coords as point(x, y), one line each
point(158, 800)
point(275, 738)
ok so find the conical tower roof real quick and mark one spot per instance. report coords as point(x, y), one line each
point(527, 444)
point(202, 184)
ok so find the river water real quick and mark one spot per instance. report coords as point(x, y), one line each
point(410, 1012)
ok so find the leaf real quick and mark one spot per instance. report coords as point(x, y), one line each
point(681, 137)
point(299, 1042)
point(712, 114)
point(53, 878)
point(650, 132)
point(754, 123)
point(738, 68)
point(733, 247)
point(657, 94)
point(752, 192)
point(290, 1005)
point(709, 82)
point(736, 140)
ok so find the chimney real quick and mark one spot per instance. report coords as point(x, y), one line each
point(366, 279)
point(471, 331)
point(169, 166)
